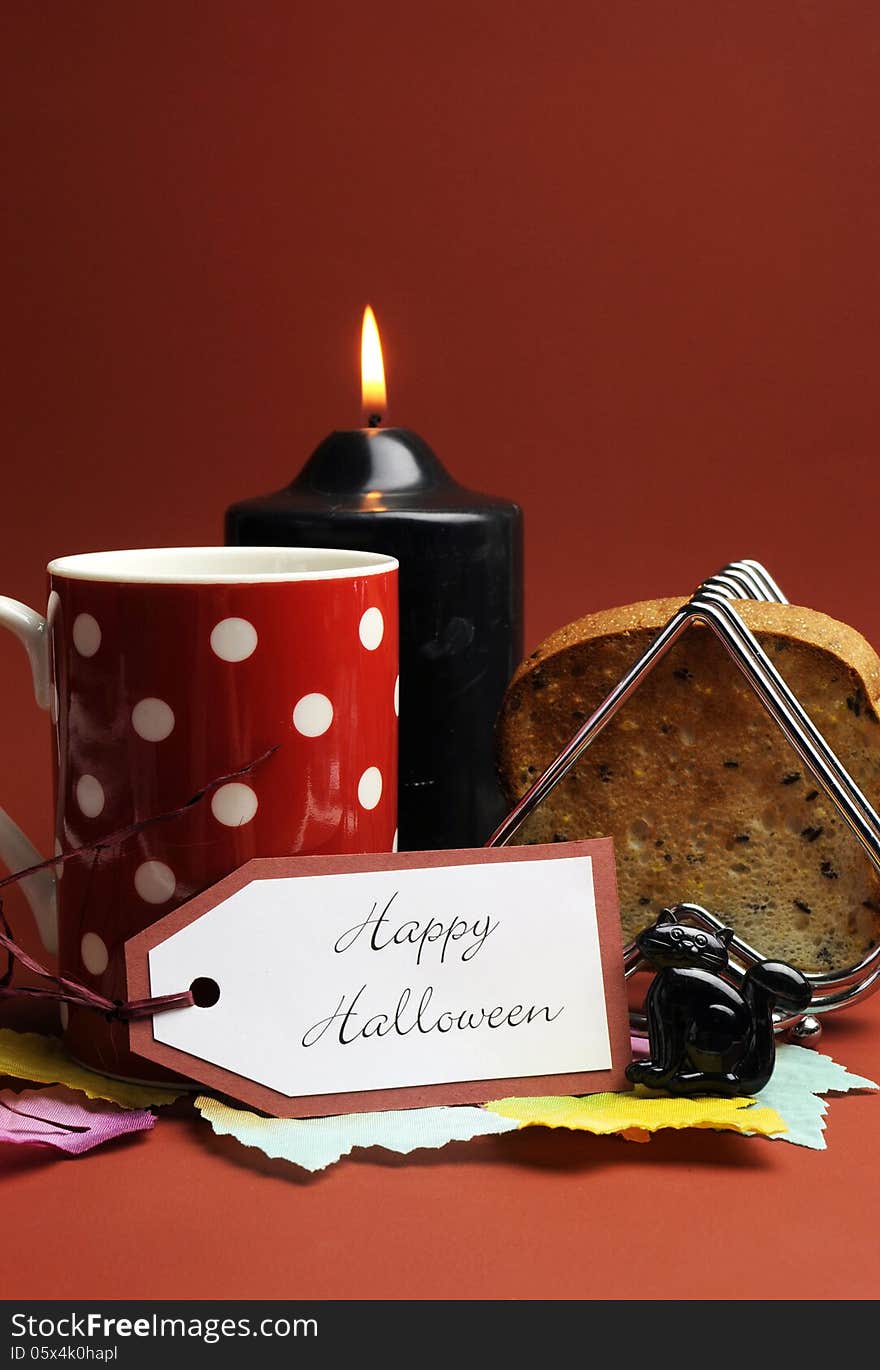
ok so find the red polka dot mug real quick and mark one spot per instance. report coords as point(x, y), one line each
point(164, 670)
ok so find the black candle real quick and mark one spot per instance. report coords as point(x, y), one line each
point(460, 554)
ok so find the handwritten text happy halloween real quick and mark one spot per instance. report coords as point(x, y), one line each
point(378, 932)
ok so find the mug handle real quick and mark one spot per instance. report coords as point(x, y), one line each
point(16, 851)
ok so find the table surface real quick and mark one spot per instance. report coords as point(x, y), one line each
point(181, 1213)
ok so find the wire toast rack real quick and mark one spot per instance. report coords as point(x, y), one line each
point(711, 606)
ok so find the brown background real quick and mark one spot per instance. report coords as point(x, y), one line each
point(624, 257)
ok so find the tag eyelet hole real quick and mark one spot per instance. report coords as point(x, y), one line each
point(205, 992)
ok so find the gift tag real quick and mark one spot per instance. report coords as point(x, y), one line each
point(341, 984)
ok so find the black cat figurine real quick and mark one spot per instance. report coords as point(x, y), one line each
point(707, 1037)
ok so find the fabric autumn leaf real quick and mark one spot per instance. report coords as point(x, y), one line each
point(64, 1119)
point(42, 1059)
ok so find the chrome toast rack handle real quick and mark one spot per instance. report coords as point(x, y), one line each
point(711, 606)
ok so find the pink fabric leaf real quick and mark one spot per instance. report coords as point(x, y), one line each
point(65, 1119)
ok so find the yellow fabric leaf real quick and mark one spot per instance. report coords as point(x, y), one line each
point(605, 1113)
point(31, 1056)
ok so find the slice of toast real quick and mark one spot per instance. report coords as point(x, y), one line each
point(705, 800)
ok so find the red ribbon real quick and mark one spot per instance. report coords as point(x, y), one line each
point(69, 991)
point(115, 839)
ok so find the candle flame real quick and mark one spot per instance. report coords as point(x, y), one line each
point(373, 394)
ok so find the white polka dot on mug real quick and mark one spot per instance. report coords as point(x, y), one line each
point(86, 634)
point(152, 719)
point(370, 788)
point(234, 804)
point(371, 629)
point(234, 639)
point(313, 715)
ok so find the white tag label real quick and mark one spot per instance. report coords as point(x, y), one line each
point(379, 979)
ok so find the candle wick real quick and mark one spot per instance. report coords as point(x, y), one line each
point(374, 420)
